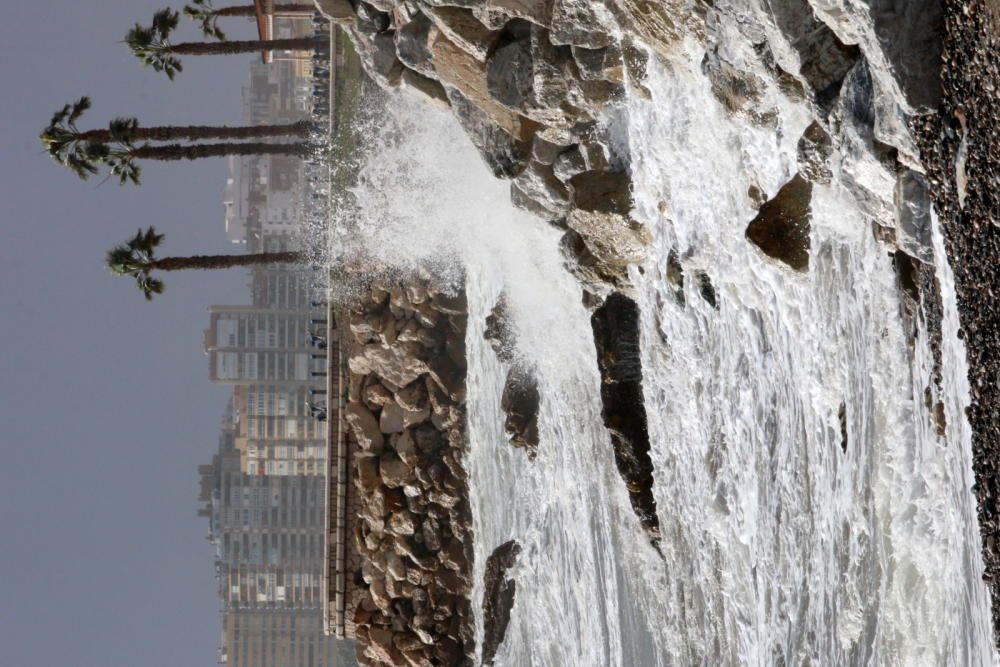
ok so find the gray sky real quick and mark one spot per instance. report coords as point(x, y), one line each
point(106, 408)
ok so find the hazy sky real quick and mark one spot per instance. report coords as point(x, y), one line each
point(106, 406)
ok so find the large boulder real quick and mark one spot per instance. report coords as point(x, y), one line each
point(781, 228)
point(458, 70)
point(464, 30)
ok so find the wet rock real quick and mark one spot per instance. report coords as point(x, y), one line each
point(505, 155)
point(824, 59)
point(737, 89)
point(913, 215)
point(538, 12)
point(510, 75)
point(605, 64)
point(596, 277)
point(814, 150)
point(499, 332)
point(538, 183)
point(378, 51)
point(336, 11)
point(616, 336)
point(464, 30)
point(658, 23)
point(585, 23)
point(706, 289)
point(412, 45)
point(432, 91)
point(457, 69)
point(498, 597)
point(781, 228)
point(842, 419)
point(520, 401)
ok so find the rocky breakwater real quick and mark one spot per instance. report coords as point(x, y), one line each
point(406, 409)
point(529, 81)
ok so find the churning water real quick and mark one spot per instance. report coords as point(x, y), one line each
point(779, 546)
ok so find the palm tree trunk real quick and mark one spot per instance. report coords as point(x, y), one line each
point(242, 46)
point(225, 261)
point(200, 132)
point(198, 151)
point(250, 10)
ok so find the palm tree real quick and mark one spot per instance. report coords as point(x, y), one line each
point(202, 10)
point(83, 151)
point(137, 258)
point(153, 48)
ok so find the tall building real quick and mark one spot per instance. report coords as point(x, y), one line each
point(268, 538)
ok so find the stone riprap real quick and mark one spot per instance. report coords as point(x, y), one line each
point(406, 409)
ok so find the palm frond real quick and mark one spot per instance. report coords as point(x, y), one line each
point(152, 45)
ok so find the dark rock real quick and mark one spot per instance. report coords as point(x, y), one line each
point(505, 155)
point(412, 46)
point(510, 75)
point(498, 597)
point(781, 228)
point(520, 401)
point(616, 337)
point(499, 332)
point(825, 60)
point(814, 150)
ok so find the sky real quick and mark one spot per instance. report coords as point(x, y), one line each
point(106, 409)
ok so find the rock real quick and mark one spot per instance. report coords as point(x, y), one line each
point(382, 601)
point(613, 239)
point(391, 418)
point(413, 46)
point(379, 55)
point(336, 11)
point(365, 428)
point(380, 646)
point(399, 364)
point(499, 331)
point(585, 23)
point(401, 523)
point(781, 228)
point(545, 152)
point(597, 277)
point(605, 191)
point(913, 215)
point(568, 164)
point(406, 448)
point(911, 36)
point(510, 75)
point(368, 475)
point(464, 30)
point(377, 396)
point(450, 304)
point(737, 89)
point(658, 23)
point(520, 401)
point(457, 69)
point(814, 150)
point(432, 91)
point(498, 597)
point(605, 64)
point(616, 336)
point(450, 379)
point(504, 154)
point(538, 12)
point(824, 60)
point(413, 397)
point(395, 473)
point(538, 183)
